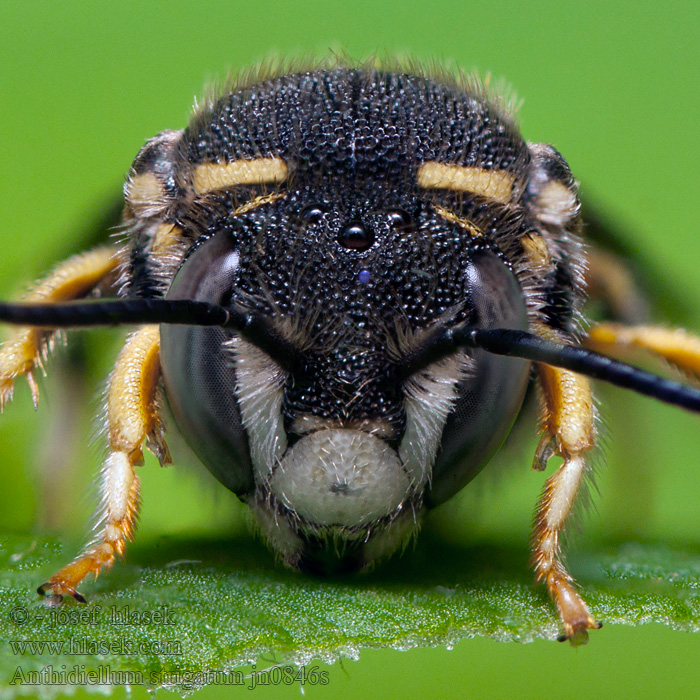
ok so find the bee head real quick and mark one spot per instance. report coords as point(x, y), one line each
point(355, 255)
point(351, 261)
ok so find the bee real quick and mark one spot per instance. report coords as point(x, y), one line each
point(344, 280)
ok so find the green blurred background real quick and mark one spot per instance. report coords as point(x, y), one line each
point(613, 85)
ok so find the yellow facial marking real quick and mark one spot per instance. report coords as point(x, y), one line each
point(258, 202)
point(467, 225)
point(215, 176)
point(495, 184)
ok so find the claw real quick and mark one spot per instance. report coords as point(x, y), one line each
point(577, 634)
point(54, 591)
point(546, 448)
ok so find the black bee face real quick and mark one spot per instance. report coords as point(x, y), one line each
point(360, 223)
point(342, 278)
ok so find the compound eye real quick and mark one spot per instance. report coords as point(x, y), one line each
point(489, 397)
point(356, 236)
point(198, 368)
point(401, 220)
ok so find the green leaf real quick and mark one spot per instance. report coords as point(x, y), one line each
point(181, 609)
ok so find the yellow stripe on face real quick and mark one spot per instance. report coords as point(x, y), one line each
point(258, 202)
point(260, 171)
point(495, 184)
point(450, 216)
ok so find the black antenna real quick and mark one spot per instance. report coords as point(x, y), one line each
point(513, 343)
point(117, 312)
point(254, 327)
point(258, 329)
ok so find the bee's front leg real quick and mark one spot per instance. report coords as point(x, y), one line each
point(27, 348)
point(569, 431)
point(675, 345)
point(132, 419)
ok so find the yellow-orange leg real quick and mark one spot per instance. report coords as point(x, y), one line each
point(569, 431)
point(26, 349)
point(132, 419)
point(675, 345)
